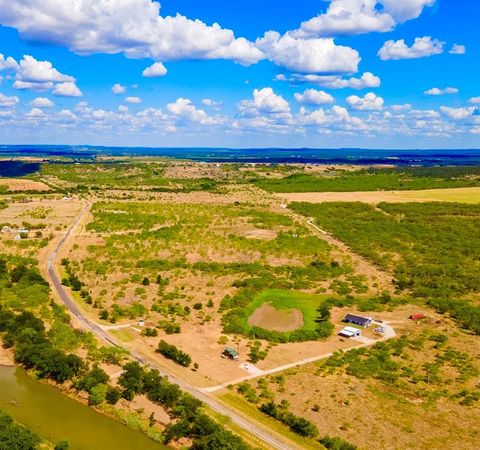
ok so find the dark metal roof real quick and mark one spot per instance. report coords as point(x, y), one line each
point(356, 319)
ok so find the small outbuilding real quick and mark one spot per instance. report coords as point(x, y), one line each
point(350, 332)
point(417, 316)
point(358, 320)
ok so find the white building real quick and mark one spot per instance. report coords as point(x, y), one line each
point(349, 332)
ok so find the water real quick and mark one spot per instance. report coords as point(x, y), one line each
point(430, 157)
point(55, 416)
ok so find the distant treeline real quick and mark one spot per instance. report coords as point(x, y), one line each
point(17, 168)
point(374, 179)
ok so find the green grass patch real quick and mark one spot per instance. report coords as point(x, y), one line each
point(315, 311)
point(282, 299)
point(124, 334)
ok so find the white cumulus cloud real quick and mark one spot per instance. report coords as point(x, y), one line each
point(35, 112)
point(308, 55)
point(117, 89)
point(8, 63)
point(32, 86)
point(422, 47)
point(210, 102)
point(134, 27)
point(369, 102)
point(402, 107)
point(367, 80)
point(42, 102)
point(314, 97)
point(457, 49)
point(264, 101)
point(348, 17)
point(155, 70)
point(7, 102)
point(34, 71)
point(133, 100)
point(457, 113)
point(474, 100)
point(184, 110)
point(438, 91)
point(67, 90)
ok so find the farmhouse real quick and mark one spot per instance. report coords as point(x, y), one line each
point(350, 332)
point(358, 320)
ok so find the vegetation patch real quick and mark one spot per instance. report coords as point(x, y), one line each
point(432, 249)
point(315, 316)
point(374, 179)
point(14, 436)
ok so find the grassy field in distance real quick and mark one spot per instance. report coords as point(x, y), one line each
point(459, 195)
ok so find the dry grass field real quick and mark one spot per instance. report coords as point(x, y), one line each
point(46, 218)
point(22, 184)
point(460, 195)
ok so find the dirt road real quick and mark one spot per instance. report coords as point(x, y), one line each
point(388, 334)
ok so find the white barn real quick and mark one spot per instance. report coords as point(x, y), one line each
point(349, 332)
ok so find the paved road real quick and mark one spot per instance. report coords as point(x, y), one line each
point(262, 434)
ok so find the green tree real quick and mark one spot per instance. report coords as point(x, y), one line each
point(14, 436)
point(97, 394)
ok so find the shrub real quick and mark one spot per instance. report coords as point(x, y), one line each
point(173, 353)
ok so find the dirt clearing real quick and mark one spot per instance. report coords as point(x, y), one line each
point(461, 195)
point(269, 318)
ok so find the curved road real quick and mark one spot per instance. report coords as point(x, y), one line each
point(239, 420)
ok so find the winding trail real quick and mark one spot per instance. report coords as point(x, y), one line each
point(361, 265)
point(270, 438)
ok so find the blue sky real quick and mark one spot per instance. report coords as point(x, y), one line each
point(340, 73)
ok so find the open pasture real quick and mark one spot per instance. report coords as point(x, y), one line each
point(459, 195)
point(120, 175)
point(222, 233)
point(177, 264)
point(22, 184)
point(45, 218)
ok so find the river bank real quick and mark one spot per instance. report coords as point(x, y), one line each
point(6, 357)
point(55, 416)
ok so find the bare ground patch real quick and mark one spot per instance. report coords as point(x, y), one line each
point(270, 318)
